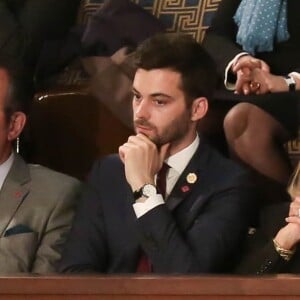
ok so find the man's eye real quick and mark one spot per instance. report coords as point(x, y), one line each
point(136, 97)
point(159, 102)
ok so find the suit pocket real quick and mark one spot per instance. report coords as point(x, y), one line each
point(17, 252)
point(18, 229)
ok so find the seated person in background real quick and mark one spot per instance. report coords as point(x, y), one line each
point(31, 27)
point(11, 37)
point(192, 218)
point(261, 63)
point(36, 204)
point(266, 254)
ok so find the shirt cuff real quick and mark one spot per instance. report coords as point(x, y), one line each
point(141, 208)
point(231, 85)
point(296, 77)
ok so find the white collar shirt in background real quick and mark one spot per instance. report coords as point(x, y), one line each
point(4, 168)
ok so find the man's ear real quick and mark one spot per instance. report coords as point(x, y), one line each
point(199, 108)
point(16, 125)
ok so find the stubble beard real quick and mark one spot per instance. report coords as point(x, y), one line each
point(173, 133)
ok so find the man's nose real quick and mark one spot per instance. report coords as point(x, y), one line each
point(142, 109)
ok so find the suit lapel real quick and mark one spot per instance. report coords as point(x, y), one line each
point(191, 178)
point(13, 191)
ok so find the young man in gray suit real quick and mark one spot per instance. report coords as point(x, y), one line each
point(36, 204)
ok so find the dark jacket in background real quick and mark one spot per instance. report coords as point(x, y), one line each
point(25, 25)
point(259, 254)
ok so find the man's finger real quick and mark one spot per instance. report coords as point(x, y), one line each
point(250, 64)
point(163, 152)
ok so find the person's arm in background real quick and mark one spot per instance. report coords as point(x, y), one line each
point(258, 72)
point(236, 66)
point(219, 39)
point(275, 254)
point(268, 252)
point(220, 43)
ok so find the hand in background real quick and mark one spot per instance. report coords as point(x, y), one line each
point(244, 69)
point(250, 62)
point(289, 235)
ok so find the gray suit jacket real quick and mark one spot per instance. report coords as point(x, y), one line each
point(36, 211)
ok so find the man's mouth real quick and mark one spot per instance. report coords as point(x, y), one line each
point(142, 125)
point(141, 129)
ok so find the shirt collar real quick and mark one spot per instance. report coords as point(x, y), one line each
point(179, 160)
point(5, 167)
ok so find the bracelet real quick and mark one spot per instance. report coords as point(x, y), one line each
point(284, 253)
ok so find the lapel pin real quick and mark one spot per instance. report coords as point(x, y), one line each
point(185, 188)
point(191, 178)
point(251, 230)
point(18, 194)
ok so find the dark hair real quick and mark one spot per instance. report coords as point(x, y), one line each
point(181, 53)
point(20, 87)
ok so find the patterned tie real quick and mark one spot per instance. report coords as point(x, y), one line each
point(144, 265)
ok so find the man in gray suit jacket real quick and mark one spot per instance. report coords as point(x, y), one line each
point(36, 204)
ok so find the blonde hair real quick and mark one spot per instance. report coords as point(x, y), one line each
point(294, 186)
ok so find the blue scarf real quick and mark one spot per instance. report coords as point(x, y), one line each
point(261, 22)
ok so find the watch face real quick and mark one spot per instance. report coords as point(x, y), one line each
point(149, 190)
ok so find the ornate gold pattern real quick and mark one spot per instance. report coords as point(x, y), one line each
point(188, 16)
point(293, 148)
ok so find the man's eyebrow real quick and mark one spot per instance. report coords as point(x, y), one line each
point(161, 95)
point(158, 94)
point(135, 91)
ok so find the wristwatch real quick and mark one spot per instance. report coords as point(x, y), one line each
point(147, 190)
point(290, 81)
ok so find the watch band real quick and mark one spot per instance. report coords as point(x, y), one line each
point(290, 81)
point(146, 190)
point(137, 194)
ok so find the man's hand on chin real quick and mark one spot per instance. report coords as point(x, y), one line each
point(142, 160)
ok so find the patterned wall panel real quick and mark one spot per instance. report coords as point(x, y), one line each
point(293, 148)
point(189, 16)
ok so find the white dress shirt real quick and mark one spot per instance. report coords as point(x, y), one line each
point(5, 167)
point(177, 164)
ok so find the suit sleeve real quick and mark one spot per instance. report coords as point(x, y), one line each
point(58, 226)
point(265, 260)
point(259, 255)
point(85, 249)
point(209, 244)
point(219, 39)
